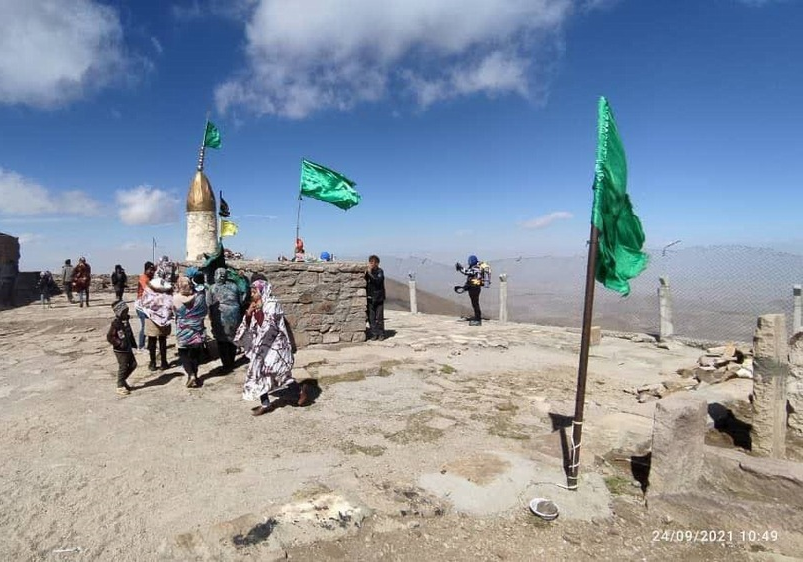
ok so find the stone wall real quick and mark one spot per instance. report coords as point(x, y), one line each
point(324, 302)
point(9, 248)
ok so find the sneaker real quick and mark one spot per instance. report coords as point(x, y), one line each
point(123, 391)
point(151, 366)
point(475, 322)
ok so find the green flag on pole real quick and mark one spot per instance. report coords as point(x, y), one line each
point(621, 238)
point(319, 182)
point(212, 136)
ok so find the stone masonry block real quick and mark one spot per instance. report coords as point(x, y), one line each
point(678, 442)
point(770, 375)
point(596, 335)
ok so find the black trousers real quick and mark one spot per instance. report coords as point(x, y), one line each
point(126, 363)
point(376, 318)
point(118, 292)
point(162, 349)
point(474, 295)
point(190, 357)
point(228, 352)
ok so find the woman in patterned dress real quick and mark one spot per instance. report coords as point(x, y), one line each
point(264, 336)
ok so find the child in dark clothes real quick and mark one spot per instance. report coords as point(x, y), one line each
point(121, 336)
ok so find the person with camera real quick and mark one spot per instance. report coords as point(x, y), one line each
point(473, 286)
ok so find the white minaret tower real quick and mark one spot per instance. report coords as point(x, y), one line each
point(201, 215)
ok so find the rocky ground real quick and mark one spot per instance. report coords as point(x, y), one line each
point(428, 445)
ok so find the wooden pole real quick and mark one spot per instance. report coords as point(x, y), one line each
point(582, 370)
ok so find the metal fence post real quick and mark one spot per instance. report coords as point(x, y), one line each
point(798, 310)
point(413, 298)
point(666, 329)
point(503, 298)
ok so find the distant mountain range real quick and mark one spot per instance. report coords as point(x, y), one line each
point(718, 291)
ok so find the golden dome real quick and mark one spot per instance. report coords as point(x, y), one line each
point(200, 196)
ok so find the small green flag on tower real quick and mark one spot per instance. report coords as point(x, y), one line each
point(212, 136)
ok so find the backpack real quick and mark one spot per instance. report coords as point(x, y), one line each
point(485, 271)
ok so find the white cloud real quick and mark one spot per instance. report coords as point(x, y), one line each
point(147, 205)
point(131, 246)
point(157, 46)
point(30, 237)
point(590, 5)
point(22, 196)
point(546, 220)
point(496, 73)
point(54, 51)
point(186, 11)
point(191, 10)
point(319, 54)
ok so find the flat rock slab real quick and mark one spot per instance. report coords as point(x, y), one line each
point(492, 482)
point(325, 517)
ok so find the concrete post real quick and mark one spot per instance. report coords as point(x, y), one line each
point(666, 329)
point(503, 298)
point(794, 386)
point(797, 324)
point(413, 297)
point(770, 373)
point(678, 442)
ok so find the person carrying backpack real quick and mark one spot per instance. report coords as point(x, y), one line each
point(46, 285)
point(474, 281)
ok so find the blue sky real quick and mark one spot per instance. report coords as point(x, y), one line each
point(468, 125)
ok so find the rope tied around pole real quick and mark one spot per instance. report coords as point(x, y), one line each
point(574, 456)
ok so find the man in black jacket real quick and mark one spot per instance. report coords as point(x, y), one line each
point(375, 292)
point(119, 280)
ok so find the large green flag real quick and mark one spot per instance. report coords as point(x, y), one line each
point(327, 185)
point(621, 238)
point(212, 136)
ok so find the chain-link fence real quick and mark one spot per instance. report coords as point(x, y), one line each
point(717, 292)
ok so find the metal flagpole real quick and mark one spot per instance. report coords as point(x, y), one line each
point(153, 253)
point(298, 218)
point(582, 370)
point(220, 224)
point(203, 146)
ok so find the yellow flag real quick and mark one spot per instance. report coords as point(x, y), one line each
point(227, 228)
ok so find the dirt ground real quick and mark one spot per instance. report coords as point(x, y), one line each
point(428, 445)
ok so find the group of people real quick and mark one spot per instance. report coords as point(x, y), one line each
point(301, 255)
point(254, 322)
point(75, 280)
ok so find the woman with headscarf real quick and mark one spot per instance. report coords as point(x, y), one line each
point(81, 275)
point(190, 308)
point(225, 301)
point(263, 334)
point(157, 304)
